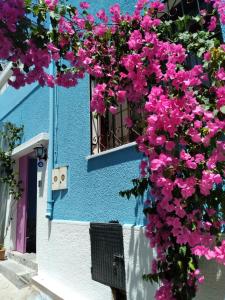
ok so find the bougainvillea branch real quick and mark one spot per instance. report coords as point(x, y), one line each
point(142, 58)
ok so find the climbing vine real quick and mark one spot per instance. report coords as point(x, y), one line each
point(144, 59)
point(10, 136)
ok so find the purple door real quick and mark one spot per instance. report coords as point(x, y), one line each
point(22, 207)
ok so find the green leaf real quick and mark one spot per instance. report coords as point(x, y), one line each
point(222, 109)
point(191, 265)
point(183, 250)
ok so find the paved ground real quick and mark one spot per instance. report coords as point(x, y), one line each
point(8, 291)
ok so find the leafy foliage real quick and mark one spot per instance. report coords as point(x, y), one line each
point(10, 136)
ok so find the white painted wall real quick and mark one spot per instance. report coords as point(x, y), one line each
point(214, 286)
point(11, 220)
point(66, 258)
point(10, 226)
point(138, 257)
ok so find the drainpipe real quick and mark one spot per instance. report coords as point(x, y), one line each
point(50, 201)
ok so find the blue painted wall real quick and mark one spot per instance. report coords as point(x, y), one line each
point(27, 106)
point(94, 184)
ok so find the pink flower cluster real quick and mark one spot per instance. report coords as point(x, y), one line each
point(164, 292)
point(51, 4)
point(11, 11)
point(216, 252)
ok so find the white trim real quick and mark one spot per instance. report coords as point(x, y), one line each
point(80, 223)
point(85, 223)
point(111, 150)
point(4, 76)
point(135, 227)
point(29, 146)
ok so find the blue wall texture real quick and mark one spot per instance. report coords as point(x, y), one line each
point(27, 106)
point(94, 184)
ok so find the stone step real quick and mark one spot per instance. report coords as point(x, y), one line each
point(18, 274)
point(26, 259)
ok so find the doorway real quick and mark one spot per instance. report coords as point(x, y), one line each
point(31, 206)
point(27, 206)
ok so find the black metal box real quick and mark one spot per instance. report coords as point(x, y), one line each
point(107, 254)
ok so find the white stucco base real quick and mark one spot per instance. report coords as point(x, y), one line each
point(65, 258)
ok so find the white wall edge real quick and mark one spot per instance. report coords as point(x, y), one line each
point(84, 223)
point(80, 223)
point(136, 227)
point(28, 147)
point(111, 150)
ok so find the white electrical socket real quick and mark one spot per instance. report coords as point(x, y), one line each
point(55, 179)
point(63, 178)
point(59, 178)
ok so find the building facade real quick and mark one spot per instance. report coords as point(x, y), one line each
point(74, 188)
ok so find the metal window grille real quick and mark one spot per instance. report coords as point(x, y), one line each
point(179, 8)
point(110, 131)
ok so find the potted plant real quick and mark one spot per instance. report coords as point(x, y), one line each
point(2, 252)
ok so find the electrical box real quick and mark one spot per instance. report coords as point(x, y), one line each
point(60, 178)
point(107, 255)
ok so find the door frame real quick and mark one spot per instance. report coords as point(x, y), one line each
point(21, 221)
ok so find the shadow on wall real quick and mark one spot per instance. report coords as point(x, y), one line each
point(11, 224)
point(214, 284)
point(117, 157)
point(60, 194)
point(138, 210)
point(139, 256)
point(3, 208)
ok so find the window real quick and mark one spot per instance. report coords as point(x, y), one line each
point(110, 131)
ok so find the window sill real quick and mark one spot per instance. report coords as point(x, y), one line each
point(113, 150)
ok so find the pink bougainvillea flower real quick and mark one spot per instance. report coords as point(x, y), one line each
point(113, 109)
point(51, 4)
point(84, 5)
point(213, 23)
